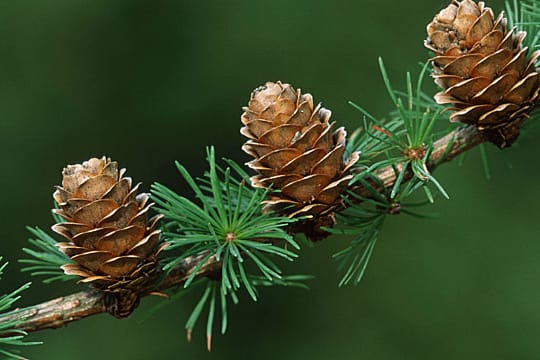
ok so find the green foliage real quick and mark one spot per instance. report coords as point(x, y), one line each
point(9, 335)
point(371, 141)
point(215, 301)
point(362, 221)
point(228, 226)
point(210, 295)
point(405, 141)
point(46, 258)
point(418, 121)
point(525, 15)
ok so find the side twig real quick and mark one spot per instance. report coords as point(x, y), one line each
point(444, 149)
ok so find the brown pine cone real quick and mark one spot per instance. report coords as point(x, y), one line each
point(485, 73)
point(112, 241)
point(297, 153)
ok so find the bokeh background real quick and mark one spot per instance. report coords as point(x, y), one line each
point(150, 82)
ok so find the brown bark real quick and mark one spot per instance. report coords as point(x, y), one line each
point(63, 310)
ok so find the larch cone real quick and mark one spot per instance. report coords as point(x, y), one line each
point(487, 75)
point(297, 152)
point(112, 240)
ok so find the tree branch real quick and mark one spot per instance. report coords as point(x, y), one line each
point(63, 310)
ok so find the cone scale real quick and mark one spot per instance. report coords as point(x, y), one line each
point(297, 152)
point(486, 74)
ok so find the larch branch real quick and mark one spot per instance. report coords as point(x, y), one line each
point(63, 310)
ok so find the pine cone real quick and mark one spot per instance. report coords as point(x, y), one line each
point(297, 153)
point(484, 70)
point(111, 239)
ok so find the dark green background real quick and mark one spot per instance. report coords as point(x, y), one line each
point(150, 82)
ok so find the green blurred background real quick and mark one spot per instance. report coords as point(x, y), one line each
point(150, 82)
